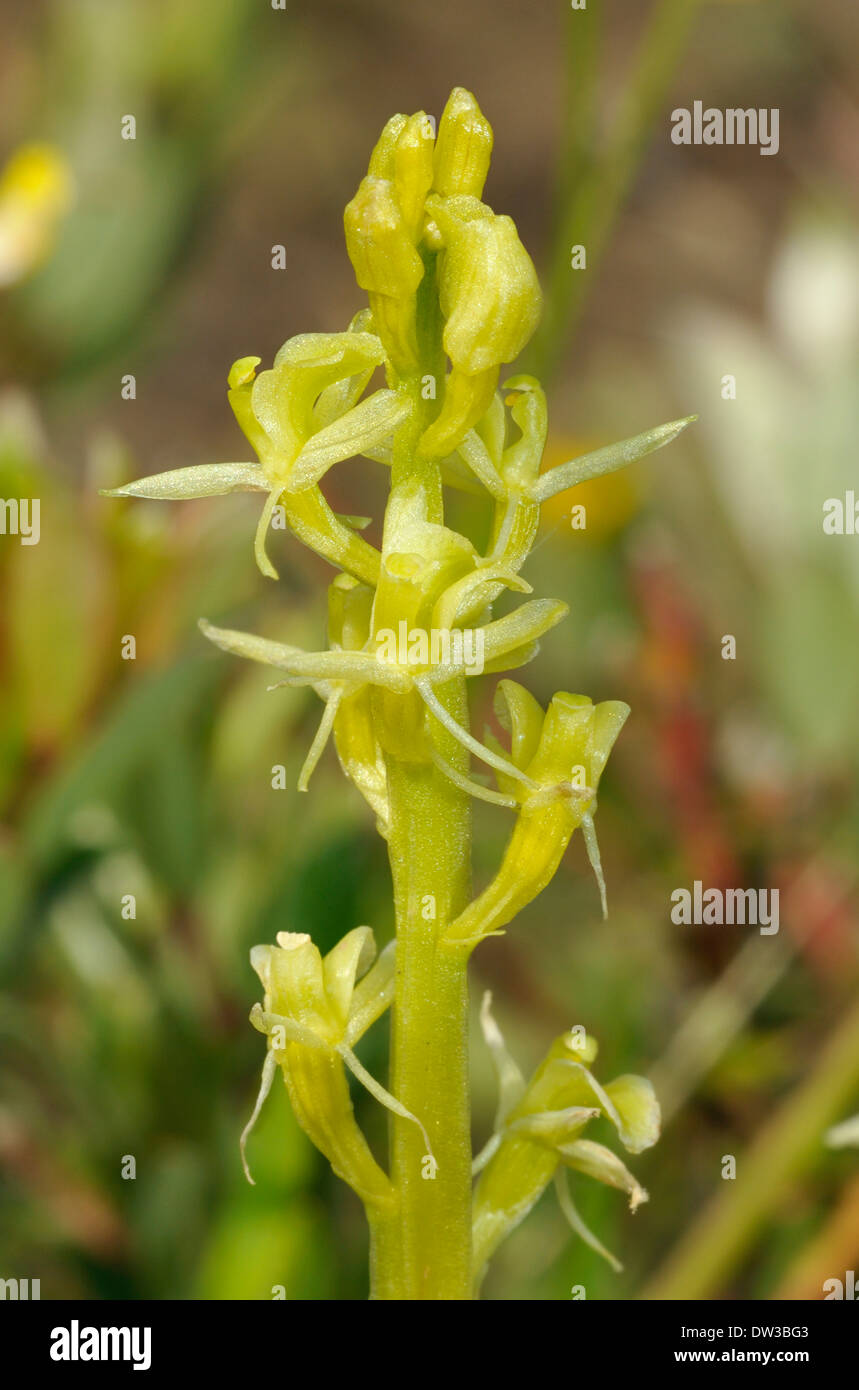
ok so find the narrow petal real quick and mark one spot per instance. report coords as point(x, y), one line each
point(565, 1201)
point(283, 399)
point(425, 690)
point(364, 427)
point(372, 995)
point(524, 625)
point(263, 562)
point(472, 592)
point(492, 429)
point(596, 1161)
point(268, 1073)
point(609, 718)
point(341, 395)
point(520, 463)
point(522, 717)
point(360, 754)
point(203, 480)
point(384, 1097)
point(320, 739)
point(607, 460)
point(511, 1082)
point(351, 957)
point(477, 456)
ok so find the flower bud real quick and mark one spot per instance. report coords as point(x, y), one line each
point(488, 288)
point(379, 246)
point(463, 147)
point(386, 265)
point(381, 164)
point(413, 171)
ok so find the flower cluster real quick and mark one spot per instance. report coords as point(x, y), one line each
point(452, 296)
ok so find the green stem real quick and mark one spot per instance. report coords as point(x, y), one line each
point(423, 1251)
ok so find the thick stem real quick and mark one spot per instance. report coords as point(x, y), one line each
point(424, 1250)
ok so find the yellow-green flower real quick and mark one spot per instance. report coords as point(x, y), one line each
point(344, 674)
point(537, 1137)
point(313, 1012)
point(300, 417)
point(558, 758)
point(490, 299)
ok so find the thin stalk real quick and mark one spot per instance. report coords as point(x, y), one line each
point(424, 1250)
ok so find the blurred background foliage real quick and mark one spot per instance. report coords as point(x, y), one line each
point(127, 1036)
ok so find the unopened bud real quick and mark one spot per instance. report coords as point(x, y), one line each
point(463, 148)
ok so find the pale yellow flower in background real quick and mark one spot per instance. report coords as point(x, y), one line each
point(36, 191)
